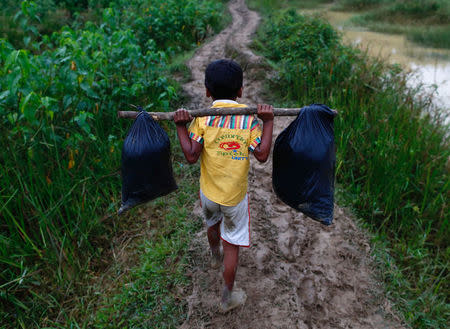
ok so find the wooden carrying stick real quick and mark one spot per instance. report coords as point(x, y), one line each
point(214, 111)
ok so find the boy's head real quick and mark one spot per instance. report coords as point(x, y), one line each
point(223, 79)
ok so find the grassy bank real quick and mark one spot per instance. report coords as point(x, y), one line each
point(392, 155)
point(61, 140)
point(426, 22)
point(143, 288)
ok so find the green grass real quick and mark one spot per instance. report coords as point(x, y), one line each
point(392, 155)
point(437, 37)
point(151, 294)
point(144, 289)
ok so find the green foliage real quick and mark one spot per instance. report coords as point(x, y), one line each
point(392, 153)
point(60, 140)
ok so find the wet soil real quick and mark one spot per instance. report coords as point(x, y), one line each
point(297, 273)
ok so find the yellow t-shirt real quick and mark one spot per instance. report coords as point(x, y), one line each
point(224, 161)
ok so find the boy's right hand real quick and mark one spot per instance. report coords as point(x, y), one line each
point(181, 117)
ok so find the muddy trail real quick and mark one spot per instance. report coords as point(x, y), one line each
point(297, 273)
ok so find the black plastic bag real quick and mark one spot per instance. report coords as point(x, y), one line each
point(304, 161)
point(146, 163)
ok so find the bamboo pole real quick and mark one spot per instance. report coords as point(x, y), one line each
point(214, 112)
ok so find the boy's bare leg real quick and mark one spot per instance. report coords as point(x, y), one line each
point(230, 298)
point(214, 244)
point(230, 262)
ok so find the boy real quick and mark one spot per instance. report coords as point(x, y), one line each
point(224, 143)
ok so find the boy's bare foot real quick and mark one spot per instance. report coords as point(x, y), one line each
point(235, 299)
point(216, 258)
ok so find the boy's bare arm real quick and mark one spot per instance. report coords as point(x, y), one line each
point(262, 151)
point(191, 149)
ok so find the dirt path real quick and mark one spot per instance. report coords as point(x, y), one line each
point(297, 273)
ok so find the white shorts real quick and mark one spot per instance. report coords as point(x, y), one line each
point(235, 220)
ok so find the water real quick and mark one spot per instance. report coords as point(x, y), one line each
point(431, 65)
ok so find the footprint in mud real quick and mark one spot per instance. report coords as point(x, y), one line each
point(307, 292)
point(261, 257)
point(286, 241)
point(344, 301)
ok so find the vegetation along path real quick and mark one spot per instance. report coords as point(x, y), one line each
point(297, 273)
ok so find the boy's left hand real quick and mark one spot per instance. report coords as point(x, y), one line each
point(265, 112)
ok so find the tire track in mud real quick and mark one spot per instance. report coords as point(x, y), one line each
point(297, 273)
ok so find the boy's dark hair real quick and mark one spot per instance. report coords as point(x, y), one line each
point(223, 78)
